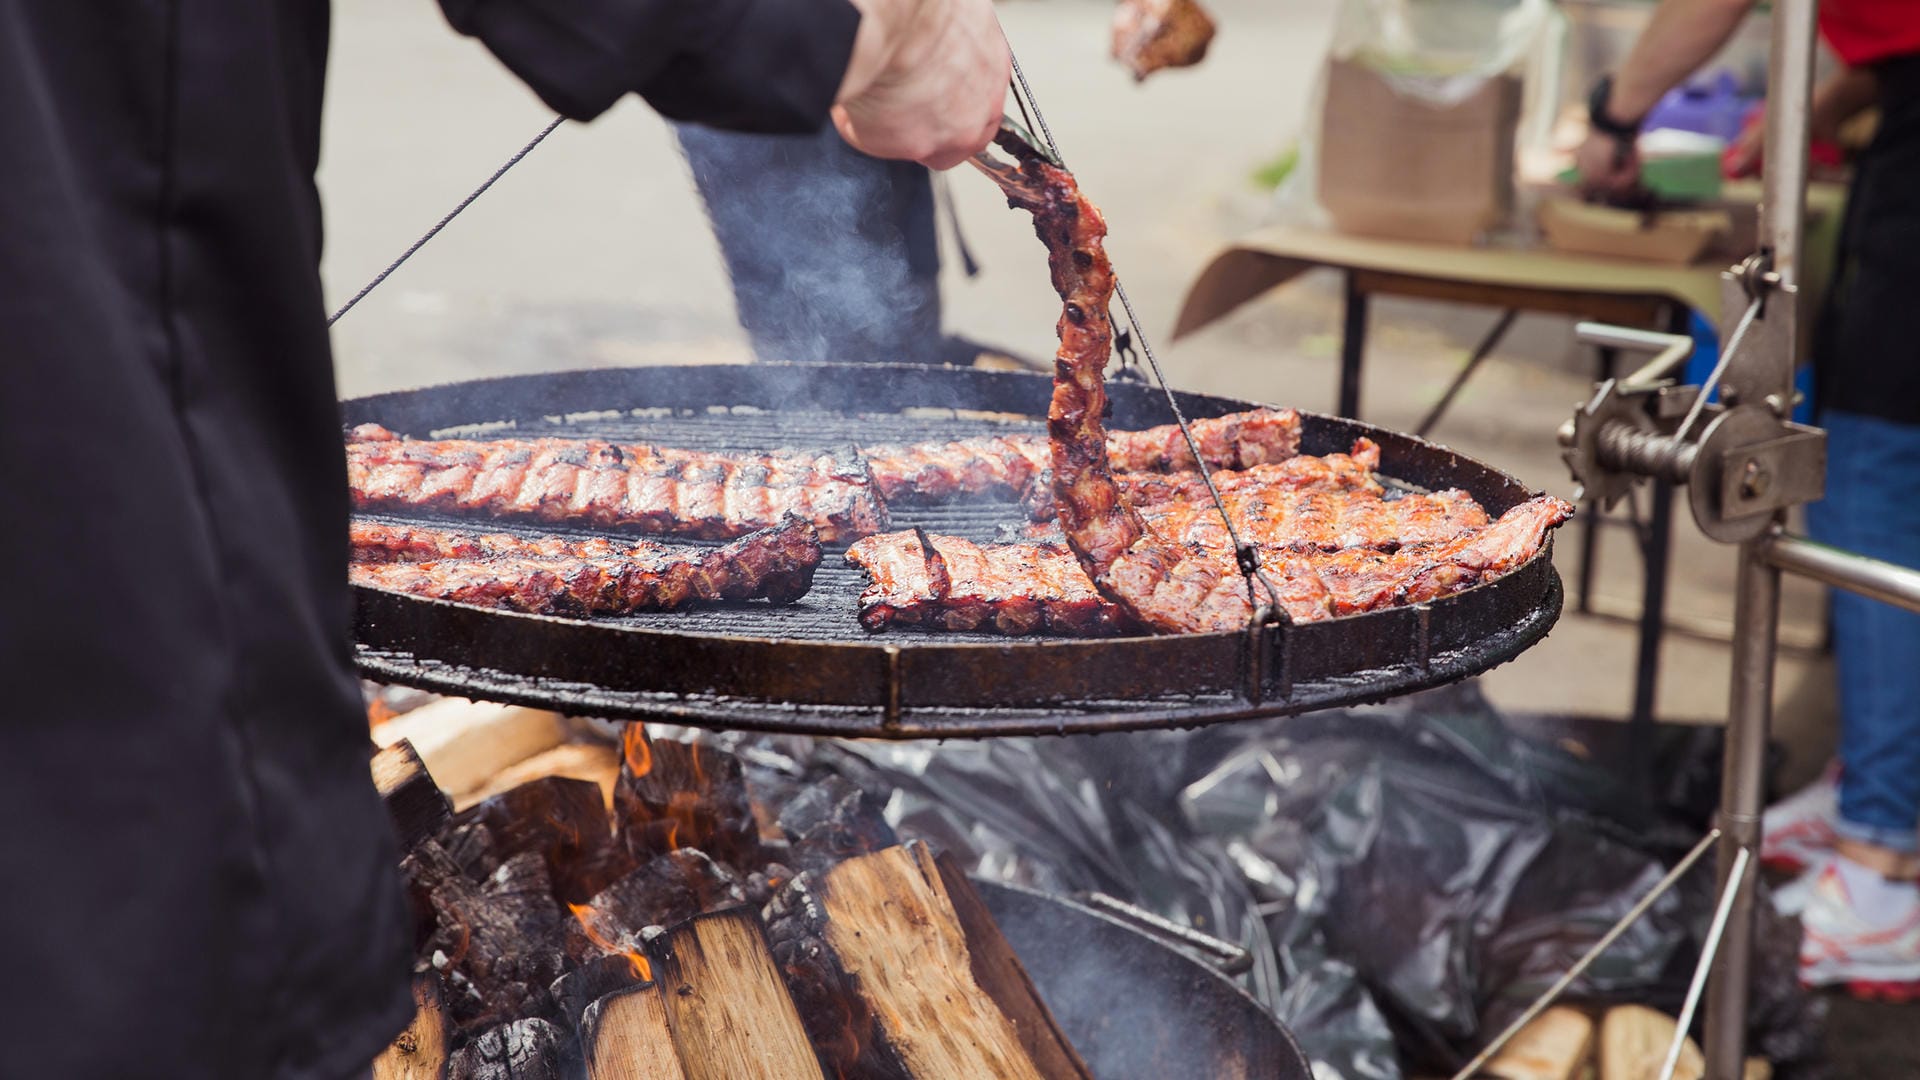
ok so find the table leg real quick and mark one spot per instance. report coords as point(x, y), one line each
point(1479, 355)
point(1353, 347)
point(1608, 362)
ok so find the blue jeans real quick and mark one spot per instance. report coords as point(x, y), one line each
point(832, 253)
point(1872, 507)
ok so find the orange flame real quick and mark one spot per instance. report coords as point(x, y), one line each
point(635, 748)
point(588, 919)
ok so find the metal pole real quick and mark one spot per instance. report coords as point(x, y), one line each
point(1783, 195)
point(1586, 960)
point(1709, 951)
point(1353, 348)
point(1756, 616)
point(1871, 578)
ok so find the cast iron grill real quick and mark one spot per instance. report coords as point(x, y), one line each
point(811, 668)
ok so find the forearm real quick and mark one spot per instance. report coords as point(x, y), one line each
point(1846, 93)
point(1683, 35)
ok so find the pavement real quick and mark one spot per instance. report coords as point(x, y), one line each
point(594, 252)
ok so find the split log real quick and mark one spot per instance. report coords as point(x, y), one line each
point(889, 923)
point(416, 804)
point(576, 761)
point(593, 980)
point(529, 1049)
point(420, 1052)
point(625, 1036)
point(464, 743)
point(1634, 1041)
point(1000, 973)
point(673, 794)
point(1557, 1045)
point(727, 1005)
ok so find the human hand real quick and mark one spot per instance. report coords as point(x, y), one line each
point(1743, 158)
point(1607, 166)
point(927, 80)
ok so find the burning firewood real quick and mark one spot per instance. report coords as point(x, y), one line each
point(529, 1049)
point(625, 1036)
point(885, 929)
point(563, 821)
point(416, 804)
point(673, 794)
point(420, 1053)
point(727, 1005)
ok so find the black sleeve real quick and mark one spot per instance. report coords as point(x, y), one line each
point(768, 66)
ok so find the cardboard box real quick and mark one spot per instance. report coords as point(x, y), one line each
point(1402, 169)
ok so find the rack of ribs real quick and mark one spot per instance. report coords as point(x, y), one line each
point(556, 575)
point(948, 583)
point(654, 489)
point(1005, 465)
point(1033, 584)
point(1305, 472)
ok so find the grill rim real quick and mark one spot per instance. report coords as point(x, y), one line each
point(917, 684)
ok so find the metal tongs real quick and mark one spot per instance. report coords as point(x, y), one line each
point(1016, 140)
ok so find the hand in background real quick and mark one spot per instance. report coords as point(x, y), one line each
point(927, 80)
point(1607, 165)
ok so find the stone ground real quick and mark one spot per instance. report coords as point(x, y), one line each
point(595, 252)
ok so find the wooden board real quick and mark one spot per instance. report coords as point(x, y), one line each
point(416, 804)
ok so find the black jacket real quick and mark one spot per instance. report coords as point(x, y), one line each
point(196, 879)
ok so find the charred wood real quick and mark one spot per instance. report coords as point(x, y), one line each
point(592, 980)
point(673, 794)
point(528, 1049)
point(416, 804)
point(625, 1036)
point(503, 936)
point(563, 821)
point(832, 821)
point(669, 889)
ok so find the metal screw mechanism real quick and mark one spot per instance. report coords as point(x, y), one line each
point(1755, 479)
point(1625, 448)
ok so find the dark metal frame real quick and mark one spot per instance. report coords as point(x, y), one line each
point(909, 684)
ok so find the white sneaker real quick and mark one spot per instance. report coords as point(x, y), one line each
point(1841, 948)
point(1797, 833)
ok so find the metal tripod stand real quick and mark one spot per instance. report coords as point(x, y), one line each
point(1744, 464)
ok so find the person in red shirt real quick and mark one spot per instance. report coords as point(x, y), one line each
point(1854, 832)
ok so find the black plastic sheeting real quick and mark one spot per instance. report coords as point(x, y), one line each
point(1407, 877)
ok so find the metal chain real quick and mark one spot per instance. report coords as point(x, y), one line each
point(1245, 555)
point(443, 222)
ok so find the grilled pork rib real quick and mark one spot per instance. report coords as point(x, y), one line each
point(555, 575)
point(955, 584)
point(1020, 587)
point(1163, 585)
point(1003, 465)
point(1152, 34)
point(656, 489)
point(1331, 473)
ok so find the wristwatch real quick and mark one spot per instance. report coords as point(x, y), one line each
point(1600, 120)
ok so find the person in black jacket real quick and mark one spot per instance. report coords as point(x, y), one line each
point(196, 877)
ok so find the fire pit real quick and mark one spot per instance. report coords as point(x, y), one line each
point(699, 927)
point(811, 668)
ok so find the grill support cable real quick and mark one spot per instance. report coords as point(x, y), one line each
point(445, 221)
point(1245, 555)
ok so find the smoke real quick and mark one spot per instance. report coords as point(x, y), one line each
point(832, 253)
